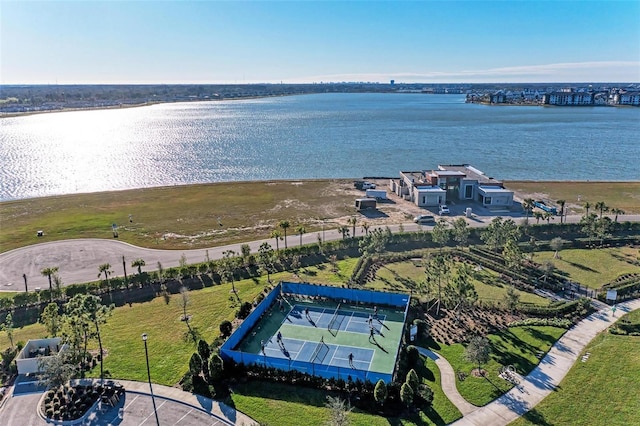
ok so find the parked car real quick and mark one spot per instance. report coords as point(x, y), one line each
point(443, 209)
point(424, 219)
point(368, 185)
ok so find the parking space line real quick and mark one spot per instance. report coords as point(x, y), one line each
point(152, 413)
point(129, 404)
point(181, 418)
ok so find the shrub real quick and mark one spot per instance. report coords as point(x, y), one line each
point(425, 395)
point(406, 394)
point(195, 364)
point(380, 392)
point(413, 355)
point(215, 367)
point(413, 380)
point(203, 349)
point(226, 328)
point(244, 311)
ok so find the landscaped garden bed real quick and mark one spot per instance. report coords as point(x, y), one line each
point(72, 402)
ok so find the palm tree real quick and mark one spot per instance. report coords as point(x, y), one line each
point(138, 263)
point(600, 205)
point(617, 212)
point(277, 236)
point(561, 203)
point(105, 269)
point(284, 224)
point(538, 215)
point(344, 231)
point(49, 272)
point(301, 230)
point(365, 227)
point(587, 206)
point(527, 205)
point(229, 270)
point(353, 221)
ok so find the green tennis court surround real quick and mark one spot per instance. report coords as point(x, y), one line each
point(324, 331)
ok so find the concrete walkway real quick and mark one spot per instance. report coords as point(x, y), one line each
point(229, 414)
point(448, 382)
point(548, 374)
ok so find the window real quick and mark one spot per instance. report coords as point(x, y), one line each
point(468, 192)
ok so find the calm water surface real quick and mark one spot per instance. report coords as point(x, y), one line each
point(311, 136)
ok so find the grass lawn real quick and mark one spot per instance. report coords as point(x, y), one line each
point(622, 195)
point(402, 276)
point(593, 267)
point(266, 402)
point(515, 346)
point(190, 216)
point(168, 352)
point(603, 391)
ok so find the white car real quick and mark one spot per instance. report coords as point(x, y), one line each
point(368, 185)
point(443, 209)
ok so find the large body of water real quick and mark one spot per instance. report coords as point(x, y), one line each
point(311, 136)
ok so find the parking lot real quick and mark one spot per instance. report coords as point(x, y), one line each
point(132, 410)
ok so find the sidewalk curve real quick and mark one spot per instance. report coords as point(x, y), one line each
point(219, 409)
point(448, 382)
point(549, 373)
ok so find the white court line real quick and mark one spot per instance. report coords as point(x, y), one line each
point(349, 322)
point(181, 418)
point(298, 353)
point(129, 404)
point(152, 413)
point(333, 356)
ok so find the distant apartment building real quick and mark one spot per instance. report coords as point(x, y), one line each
point(628, 98)
point(569, 98)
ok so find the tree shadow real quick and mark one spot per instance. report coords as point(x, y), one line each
point(536, 417)
point(580, 266)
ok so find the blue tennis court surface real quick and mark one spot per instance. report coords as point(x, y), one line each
point(320, 354)
point(345, 320)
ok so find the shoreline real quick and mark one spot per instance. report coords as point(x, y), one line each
point(139, 105)
point(328, 179)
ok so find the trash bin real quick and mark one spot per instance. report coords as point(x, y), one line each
point(468, 212)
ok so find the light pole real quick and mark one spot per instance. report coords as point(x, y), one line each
point(146, 355)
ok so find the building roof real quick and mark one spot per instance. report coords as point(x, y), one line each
point(494, 190)
point(470, 172)
point(433, 189)
point(449, 173)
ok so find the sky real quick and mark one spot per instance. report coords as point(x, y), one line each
point(238, 42)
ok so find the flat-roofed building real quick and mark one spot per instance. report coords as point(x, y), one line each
point(450, 183)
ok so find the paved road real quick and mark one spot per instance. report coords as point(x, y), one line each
point(78, 260)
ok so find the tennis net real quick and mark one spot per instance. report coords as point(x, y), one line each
point(320, 352)
point(333, 318)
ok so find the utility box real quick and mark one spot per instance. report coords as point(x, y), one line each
point(379, 194)
point(366, 204)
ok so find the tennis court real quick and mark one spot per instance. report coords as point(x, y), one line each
point(340, 336)
point(335, 320)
